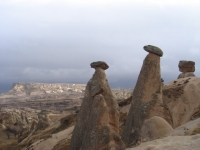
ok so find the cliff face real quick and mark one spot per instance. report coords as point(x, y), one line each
point(53, 90)
point(44, 88)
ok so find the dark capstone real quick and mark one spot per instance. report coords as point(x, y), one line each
point(100, 64)
point(154, 50)
point(185, 63)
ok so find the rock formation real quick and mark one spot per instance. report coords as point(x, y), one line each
point(187, 68)
point(43, 121)
point(181, 100)
point(13, 122)
point(146, 98)
point(171, 143)
point(155, 127)
point(33, 89)
point(97, 124)
point(190, 128)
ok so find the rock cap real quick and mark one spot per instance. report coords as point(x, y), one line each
point(100, 64)
point(185, 63)
point(186, 66)
point(153, 49)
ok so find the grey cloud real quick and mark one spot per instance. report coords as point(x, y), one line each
point(55, 41)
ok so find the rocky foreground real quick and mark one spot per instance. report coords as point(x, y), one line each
point(46, 128)
point(171, 143)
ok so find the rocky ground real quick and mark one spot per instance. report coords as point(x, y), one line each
point(35, 114)
point(171, 143)
point(45, 122)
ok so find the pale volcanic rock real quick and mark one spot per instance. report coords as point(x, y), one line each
point(97, 124)
point(146, 98)
point(155, 127)
point(190, 128)
point(122, 94)
point(186, 74)
point(48, 144)
point(181, 100)
point(171, 143)
point(187, 68)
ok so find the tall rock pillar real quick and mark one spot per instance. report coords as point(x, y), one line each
point(97, 124)
point(147, 96)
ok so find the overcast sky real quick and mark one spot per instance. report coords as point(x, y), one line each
point(56, 40)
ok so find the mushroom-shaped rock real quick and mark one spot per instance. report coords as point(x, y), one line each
point(186, 66)
point(97, 123)
point(146, 97)
point(100, 64)
point(154, 50)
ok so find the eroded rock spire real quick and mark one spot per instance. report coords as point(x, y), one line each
point(97, 124)
point(147, 96)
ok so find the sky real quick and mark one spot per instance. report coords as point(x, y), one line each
point(54, 41)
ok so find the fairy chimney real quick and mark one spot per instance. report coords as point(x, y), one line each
point(146, 98)
point(97, 123)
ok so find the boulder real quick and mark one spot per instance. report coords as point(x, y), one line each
point(186, 66)
point(146, 98)
point(97, 123)
point(181, 100)
point(155, 127)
